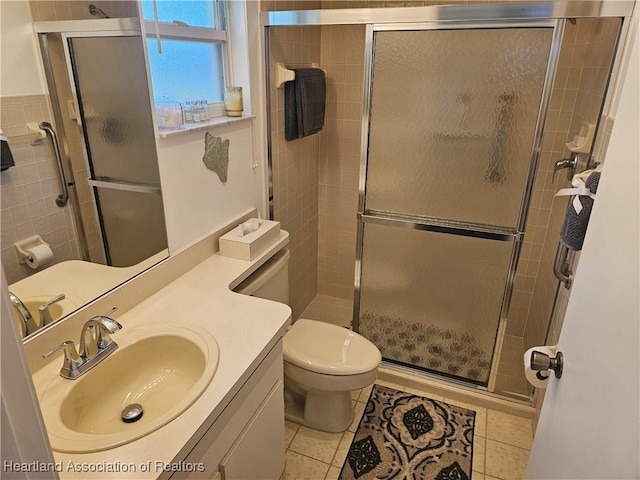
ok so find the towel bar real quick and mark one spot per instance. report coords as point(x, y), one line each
point(283, 74)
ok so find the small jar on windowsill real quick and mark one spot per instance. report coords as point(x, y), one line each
point(233, 104)
point(169, 115)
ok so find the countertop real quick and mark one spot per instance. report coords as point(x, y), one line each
point(245, 328)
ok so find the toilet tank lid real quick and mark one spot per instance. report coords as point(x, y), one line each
point(263, 274)
point(325, 348)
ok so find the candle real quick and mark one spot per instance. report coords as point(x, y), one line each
point(233, 101)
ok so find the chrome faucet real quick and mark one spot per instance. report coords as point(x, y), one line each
point(24, 315)
point(95, 345)
point(43, 310)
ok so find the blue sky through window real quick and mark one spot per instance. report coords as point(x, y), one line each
point(186, 70)
point(196, 13)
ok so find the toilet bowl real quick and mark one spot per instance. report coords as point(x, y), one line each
point(323, 363)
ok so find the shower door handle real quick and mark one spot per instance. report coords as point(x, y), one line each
point(569, 163)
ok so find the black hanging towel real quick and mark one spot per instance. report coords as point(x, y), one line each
point(305, 100)
point(6, 157)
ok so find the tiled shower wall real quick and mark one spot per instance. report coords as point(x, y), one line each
point(577, 96)
point(45, 10)
point(589, 70)
point(73, 137)
point(295, 163)
point(342, 53)
point(30, 187)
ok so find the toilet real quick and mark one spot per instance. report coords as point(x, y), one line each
point(323, 363)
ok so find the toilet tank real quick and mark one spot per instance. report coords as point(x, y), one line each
point(270, 281)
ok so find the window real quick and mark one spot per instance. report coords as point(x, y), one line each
point(186, 47)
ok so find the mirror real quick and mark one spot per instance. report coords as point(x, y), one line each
point(112, 227)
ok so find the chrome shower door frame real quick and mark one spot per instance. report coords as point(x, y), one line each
point(487, 231)
point(68, 32)
point(69, 29)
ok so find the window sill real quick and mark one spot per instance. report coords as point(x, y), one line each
point(194, 127)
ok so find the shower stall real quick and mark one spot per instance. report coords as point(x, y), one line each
point(444, 205)
point(463, 113)
point(100, 102)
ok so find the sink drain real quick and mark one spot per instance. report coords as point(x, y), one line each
point(131, 413)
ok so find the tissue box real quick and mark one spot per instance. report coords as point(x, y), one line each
point(250, 245)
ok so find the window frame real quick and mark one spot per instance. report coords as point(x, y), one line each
point(177, 31)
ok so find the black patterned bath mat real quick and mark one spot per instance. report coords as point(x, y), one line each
point(408, 437)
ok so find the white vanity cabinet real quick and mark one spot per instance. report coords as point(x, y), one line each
point(246, 441)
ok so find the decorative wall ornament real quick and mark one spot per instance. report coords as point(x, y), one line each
point(216, 155)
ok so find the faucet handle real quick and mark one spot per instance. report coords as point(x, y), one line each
point(95, 334)
point(71, 358)
point(45, 314)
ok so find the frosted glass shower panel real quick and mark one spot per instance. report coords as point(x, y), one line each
point(112, 85)
point(132, 224)
point(453, 120)
point(433, 300)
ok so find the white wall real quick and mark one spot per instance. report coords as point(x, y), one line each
point(20, 71)
point(195, 199)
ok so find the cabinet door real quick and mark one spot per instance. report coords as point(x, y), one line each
point(256, 454)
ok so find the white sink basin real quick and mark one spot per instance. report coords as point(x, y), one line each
point(164, 369)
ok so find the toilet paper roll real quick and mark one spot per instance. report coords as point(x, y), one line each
point(39, 256)
point(537, 379)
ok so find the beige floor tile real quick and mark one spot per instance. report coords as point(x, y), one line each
point(358, 410)
point(343, 449)
point(479, 448)
point(355, 394)
point(509, 429)
point(315, 444)
point(290, 429)
point(333, 473)
point(301, 467)
point(505, 462)
point(480, 427)
point(365, 393)
point(477, 475)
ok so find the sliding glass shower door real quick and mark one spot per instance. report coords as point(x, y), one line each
point(455, 122)
point(112, 90)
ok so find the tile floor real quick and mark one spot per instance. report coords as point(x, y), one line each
point(500, 451)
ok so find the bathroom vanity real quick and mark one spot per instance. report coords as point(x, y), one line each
point(235, 428)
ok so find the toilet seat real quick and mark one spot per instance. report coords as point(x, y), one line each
point(329, 349)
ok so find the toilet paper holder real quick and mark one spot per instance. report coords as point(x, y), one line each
point(23, 247)
point(541, 362)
